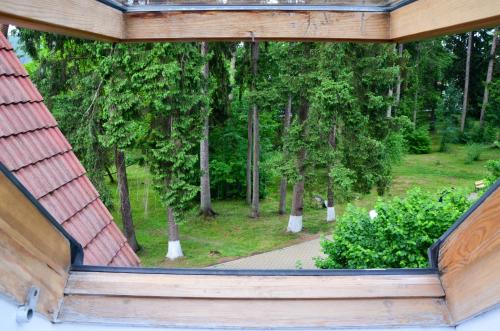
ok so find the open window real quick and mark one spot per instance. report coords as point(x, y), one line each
point(36, 251)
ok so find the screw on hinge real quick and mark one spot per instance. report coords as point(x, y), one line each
point(25, 313)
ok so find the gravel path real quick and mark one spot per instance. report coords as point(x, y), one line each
point(284, 258)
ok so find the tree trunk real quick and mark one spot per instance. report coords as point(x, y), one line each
point(389, 107)
point(249, 158)
point(489, 75)
point(5, 29)
point(125, 208)
point(415, 109)
point(232, 70)
point(398, 86)
point(284, 182)
point(295, 220)
point(174, 244)
point(466, 84)
point(205, 198)
point(110, 176)
point(330, 203)
point(256, 137)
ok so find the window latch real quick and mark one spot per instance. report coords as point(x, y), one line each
point(25, 313)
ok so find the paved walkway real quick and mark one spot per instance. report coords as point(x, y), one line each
point(284, 258)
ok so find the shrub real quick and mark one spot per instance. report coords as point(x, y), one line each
point(474, 152)
point(419, 141)
point(494, 167)
point(485, 135)
point(398, 237)
point(448, 135)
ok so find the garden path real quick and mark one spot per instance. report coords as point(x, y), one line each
point(291, 257)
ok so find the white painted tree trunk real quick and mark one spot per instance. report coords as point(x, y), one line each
point(174, 245)
point(294, 224)
point(330, 214)
point(174, 250)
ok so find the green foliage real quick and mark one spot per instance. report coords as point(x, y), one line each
point(398, 237)
point(493, 167)
point(484, 135)
point(474, 152)
point(448, 114)
point(419, 141)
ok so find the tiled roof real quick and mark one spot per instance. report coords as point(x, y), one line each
point(36, 151)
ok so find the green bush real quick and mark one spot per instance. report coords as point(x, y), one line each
point(419, 141)
point(474, 152)
point(494, 167)
point(398, 237)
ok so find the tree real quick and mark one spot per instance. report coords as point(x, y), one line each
point(295, 220)
point(299, 77)
point(256, 135)
point(284, 182)
point(125, 208)
point(488, 76)
point(156, 91)
point(466, 83)
point(170, 83)
point(330, 203)
point(400, 80)
point(205, 197)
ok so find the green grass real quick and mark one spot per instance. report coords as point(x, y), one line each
point(232, 234)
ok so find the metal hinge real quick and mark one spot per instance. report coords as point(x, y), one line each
point(25, 313)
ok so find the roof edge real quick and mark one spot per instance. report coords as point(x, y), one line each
point(75, 247)
point(433, 251)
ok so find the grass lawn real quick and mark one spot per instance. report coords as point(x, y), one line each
point(232, 234)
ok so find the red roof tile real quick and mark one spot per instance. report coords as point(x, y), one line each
point(87, 223)
point(70, 198)
point(10, 65)
point(48, 175)
point(27, 148)
point(17, 89)
point(4, 44)
point(37, 152)
point(23, 117)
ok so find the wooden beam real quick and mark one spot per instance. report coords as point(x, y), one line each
point(32, 251)
point(238, 313)
point(262, 25)
point(242, 301)
point(429, 18)
point(78, 18)
point(469, 261)
point(255, 287)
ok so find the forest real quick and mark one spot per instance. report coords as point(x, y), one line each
point(239, 148)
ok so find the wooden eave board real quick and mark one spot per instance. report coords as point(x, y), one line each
point(263, 25)
point(429, 18)
point(79, 18)
point(94, 20)
point(253, 287)
point(32, 251)
point(469, 261)
point(243, 301)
